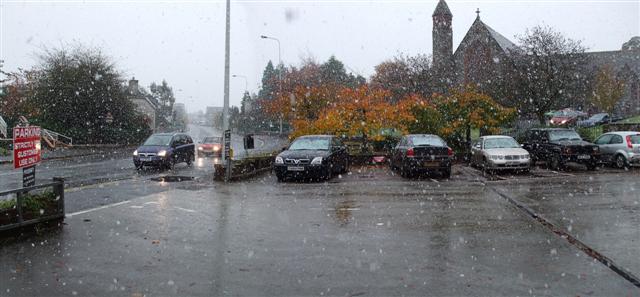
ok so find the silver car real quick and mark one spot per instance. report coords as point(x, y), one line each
point(499, 152)
point(621, 149)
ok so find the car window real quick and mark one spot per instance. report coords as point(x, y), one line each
point(310, 144)
point(492, 143)
point(635, 139)
point(604, 139)
point(616, 139)
point(426, 140)
point(161, 140)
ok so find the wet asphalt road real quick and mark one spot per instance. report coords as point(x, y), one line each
point(367, 233)
point(106, 178)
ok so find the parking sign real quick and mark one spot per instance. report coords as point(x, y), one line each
point(26, 146)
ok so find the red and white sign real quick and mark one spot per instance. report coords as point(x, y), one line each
point(26, 146)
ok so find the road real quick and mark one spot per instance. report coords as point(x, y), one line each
point(367, 233)
point(109, 178)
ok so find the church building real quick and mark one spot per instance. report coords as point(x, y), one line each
point(479, 58)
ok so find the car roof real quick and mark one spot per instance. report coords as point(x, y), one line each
point(495, 136)
point(316, 136)
point(623, 132)
point(422, 135)
point(552, 129)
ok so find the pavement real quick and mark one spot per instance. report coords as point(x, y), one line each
point(366, 233)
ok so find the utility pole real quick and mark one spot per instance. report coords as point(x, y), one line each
point(225, 110)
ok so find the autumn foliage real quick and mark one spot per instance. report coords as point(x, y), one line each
point(366, 112)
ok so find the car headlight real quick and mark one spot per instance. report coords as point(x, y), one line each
point(316, 161)
point(135, 153)
point(596, 149)
point(200, 148)
point(279, 160)
point(162, 153)
point(216, 148)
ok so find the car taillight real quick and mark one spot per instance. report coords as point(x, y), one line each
point(629, 144)
point(566, 150)
point(449, 151)
point(410, 152)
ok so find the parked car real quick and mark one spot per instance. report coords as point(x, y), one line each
point(164, 150)
point(497, 152)
point(594, 120)
point(559, 146)
point(417, 153)
point(567, 117)
point(210, 146)
point(312, 156)
point(621, 149)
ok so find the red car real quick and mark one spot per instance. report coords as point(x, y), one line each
point(567, 117)
point(210, 146)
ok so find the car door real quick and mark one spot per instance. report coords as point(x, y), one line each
point(616, 144)
point(344, 155)
point(605, 148)
point(476, 151)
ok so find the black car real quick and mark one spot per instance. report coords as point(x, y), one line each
point(312, 156)
point(165, 150)
point(418, 153)
point(559, 146)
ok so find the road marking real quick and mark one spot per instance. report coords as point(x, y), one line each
point(185, 209)
point(94, 209)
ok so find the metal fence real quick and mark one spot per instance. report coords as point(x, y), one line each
point(32, 205)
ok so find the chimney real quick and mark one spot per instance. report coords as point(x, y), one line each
point(133, 86)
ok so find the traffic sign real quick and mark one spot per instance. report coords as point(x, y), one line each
point(26, 146)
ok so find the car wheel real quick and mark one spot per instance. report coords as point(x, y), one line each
point(345, 167)
point(190, 160)
point(446, 173)
point(555, 163)
point(171, 163)
point(280, 178)
point(621, 162)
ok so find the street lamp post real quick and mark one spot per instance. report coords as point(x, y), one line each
point(279, 72)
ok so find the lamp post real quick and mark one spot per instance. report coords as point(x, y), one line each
point(279, 72)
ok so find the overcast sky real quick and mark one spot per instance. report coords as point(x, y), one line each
point(183, 41)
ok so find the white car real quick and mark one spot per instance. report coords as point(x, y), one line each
point(498, 152)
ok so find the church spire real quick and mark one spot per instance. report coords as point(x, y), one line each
point(442, 9)
point(442, 36)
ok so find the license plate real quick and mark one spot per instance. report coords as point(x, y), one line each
point(432, 164)
point(584, 157)
point(295, 168)
point(145, 159)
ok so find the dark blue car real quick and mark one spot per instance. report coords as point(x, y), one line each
point(164, 150)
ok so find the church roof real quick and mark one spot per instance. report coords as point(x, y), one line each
point(502, 41)
point(442, 9)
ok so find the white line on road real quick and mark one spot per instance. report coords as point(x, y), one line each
point(97, 208)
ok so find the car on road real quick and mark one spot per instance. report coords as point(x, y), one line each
point(559, 146)
point(312, 156)
point(165, 150)
point(567, 117)
point(420, 153)
point(595, 120)
point(620, 149)
point(210, 146)
point(498, 152)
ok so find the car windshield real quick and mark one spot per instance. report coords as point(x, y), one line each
point(158, 140)
point(310, 144)
point(426, 141)
point(502, 142)
point(559, 135)
point(212, 140)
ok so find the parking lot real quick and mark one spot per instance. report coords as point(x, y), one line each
point(369, 232)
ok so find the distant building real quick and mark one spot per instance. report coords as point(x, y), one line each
point(479, 58)
point(143, 104)
point(212, 115)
